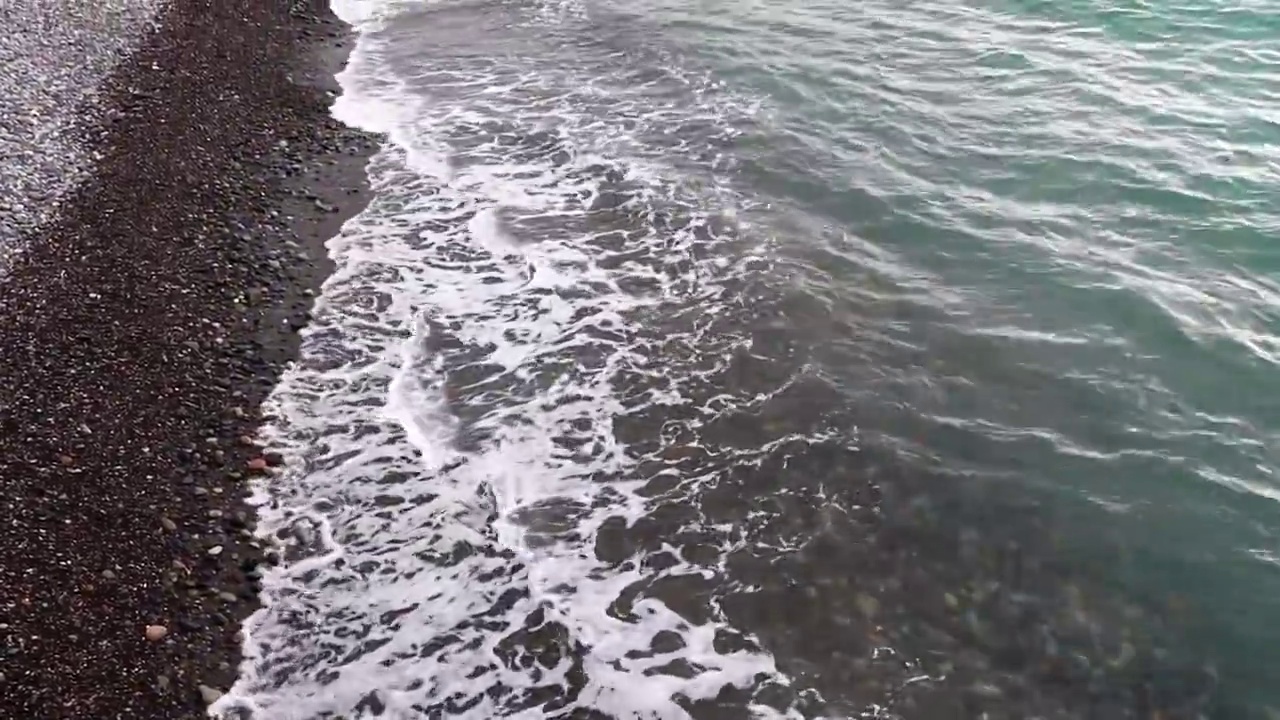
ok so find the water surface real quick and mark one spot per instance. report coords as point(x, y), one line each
point(792, 359)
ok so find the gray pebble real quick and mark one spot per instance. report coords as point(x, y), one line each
point(210, 695)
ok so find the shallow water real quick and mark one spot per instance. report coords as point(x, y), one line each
point(787, 359)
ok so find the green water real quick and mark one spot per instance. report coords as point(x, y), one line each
point(803, 359)
point(1061, 223)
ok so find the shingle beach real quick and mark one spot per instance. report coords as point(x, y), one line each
point(54, 54)
point(141, 329)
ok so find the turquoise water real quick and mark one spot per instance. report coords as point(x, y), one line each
point(1079, 207)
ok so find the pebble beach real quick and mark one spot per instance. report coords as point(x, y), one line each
point(55, 54)
point(637, 359)
point(154, 303)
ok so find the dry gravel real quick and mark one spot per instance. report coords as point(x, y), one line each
point(55, 55)
point(142, 327)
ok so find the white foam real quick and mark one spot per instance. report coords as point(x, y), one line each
point(455, 405)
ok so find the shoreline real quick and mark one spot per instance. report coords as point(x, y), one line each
point(145, 325)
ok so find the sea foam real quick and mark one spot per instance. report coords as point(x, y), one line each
point(451, 429)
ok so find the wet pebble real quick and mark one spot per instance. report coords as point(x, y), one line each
point(210, 695)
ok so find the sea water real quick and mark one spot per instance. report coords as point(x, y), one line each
point(790, 359)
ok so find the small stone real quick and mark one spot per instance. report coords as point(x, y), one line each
point(229, 597)
point(215, 551)
point(167, 524)
point(1079, 665)
point(258, 464)
point(986, 691)
point(867, 605)
point(163, 682)
point(210, 695)
point(951, 601)
point(274, 459)
point(1127, 653)
point(108, 574)
point(155, 633)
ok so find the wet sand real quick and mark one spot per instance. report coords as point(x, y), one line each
point(142, 329)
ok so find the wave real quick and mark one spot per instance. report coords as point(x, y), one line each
point(634, 394)
point(452, 428)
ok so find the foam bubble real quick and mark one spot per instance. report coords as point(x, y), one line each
point(457, 404)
